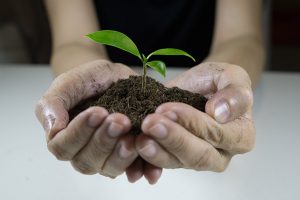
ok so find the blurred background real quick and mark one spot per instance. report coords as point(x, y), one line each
point(25, 38)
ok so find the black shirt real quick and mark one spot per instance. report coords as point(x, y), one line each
point(154, 24)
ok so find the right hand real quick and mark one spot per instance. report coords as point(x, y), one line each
point(94, 141)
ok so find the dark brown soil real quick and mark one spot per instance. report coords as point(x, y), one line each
point(127, 97)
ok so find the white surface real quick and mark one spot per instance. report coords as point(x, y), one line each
point(29, 171)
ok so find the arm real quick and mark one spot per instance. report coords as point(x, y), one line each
point(94, 141)
point(70, 20)
point(238, 36)
point(178, 135)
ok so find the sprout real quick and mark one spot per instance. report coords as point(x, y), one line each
point(122, 41)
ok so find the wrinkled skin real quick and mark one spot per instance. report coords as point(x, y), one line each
point(179, 136)
point(175, 136)
point(94, 141)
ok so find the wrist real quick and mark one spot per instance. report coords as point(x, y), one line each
point(69, 56)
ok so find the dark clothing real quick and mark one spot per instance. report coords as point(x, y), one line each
point(154, 24)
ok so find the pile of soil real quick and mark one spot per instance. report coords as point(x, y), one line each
point(127, 96)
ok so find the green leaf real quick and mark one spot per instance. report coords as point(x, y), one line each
point(115, 39)
point(170, 52)
point(158, 66)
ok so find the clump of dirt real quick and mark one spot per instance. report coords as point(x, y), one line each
point(127, 96)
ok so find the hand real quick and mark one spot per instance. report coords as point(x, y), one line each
point(94, 141)
point(179, 136)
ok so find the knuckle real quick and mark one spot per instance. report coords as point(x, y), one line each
point(214, 135)
point(103, 146)
point(83, 167)
point(105, 65)
point(77, 139)
point(249, 94)
point(202, 161)
point(178, 144)
point(244, 96)
point(59, 152)
point(78, 134)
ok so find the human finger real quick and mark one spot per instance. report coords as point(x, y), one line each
point(92, 157)
point(153, 153)
point(68, 142)
point(233, 97)
point(237, 136)
point(229, 103)
point(152, 173)
point(191, 151)
point(52, 114)
point(227, 86)
point(71, 87)
point(122, 157)
point(136, 170)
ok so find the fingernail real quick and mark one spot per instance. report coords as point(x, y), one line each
point(48, 124)
point(156, 173)
point(158, 131)
point(149, 150)
point(124, 152)
point(135, 177)
point(171, 115)
point(222, 112)
point(114, 129)
point(94, 120)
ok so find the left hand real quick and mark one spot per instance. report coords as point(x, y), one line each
point(180, 136)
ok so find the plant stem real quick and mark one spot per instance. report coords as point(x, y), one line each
point(144, 76)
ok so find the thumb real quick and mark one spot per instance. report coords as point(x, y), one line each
point(52, 115)
point(229, 103)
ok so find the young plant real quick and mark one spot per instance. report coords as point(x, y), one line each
point(122, 41)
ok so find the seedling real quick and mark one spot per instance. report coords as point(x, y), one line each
point(123, 42)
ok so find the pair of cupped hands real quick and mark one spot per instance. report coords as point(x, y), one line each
point(175, 136)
